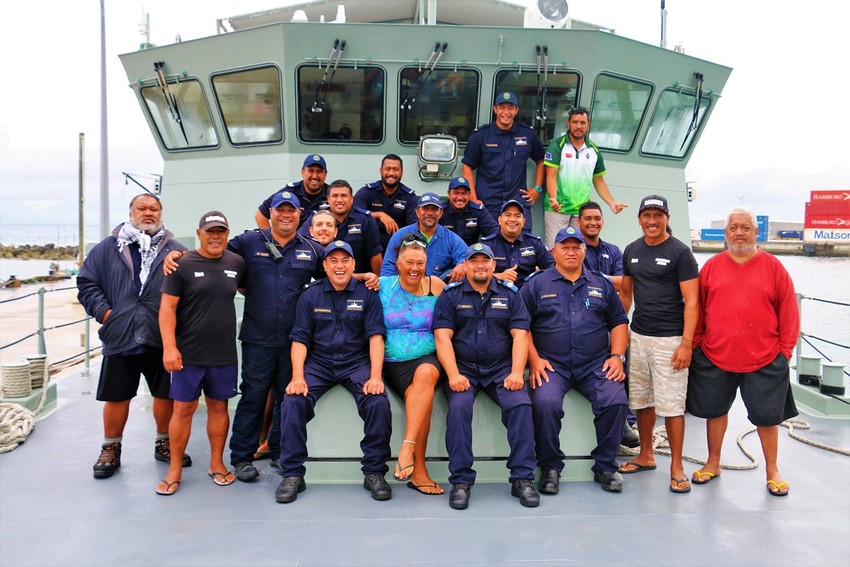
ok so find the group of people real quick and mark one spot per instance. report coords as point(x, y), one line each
point(464, 302)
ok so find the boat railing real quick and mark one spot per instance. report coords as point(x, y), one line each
point(40, 330)
point(822, 372)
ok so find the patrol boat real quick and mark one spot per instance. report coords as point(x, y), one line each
point(233, 116)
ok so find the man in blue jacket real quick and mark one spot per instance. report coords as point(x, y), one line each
point(119, 285)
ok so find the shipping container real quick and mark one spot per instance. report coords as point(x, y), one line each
point(712, 234)
point(827, 221)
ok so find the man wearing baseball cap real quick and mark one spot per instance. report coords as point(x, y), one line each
point(467, 219)
point(518, 253)
point(481, 333)
point(496, 157)
point(337, 338)
point(661, 276)
point(445, 250)
point(311, 191)
point(197, 321)
point(573, 313)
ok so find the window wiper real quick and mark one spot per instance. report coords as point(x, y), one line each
point(439, 50)
point(695, 117)
point(170, 99)
point(541, 93)
point(323, 87)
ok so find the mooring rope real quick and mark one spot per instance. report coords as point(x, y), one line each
point(16, 421)
point(661, 445)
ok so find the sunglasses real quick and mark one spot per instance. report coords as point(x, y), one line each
point(412, 242)
point(577, 110)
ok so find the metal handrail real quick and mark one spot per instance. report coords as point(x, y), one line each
point(804, 337)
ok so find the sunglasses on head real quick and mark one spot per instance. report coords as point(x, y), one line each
point(577, 110)
point(412, 242)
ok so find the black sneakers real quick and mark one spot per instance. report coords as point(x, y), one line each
point(162, 452)
point(109, 460)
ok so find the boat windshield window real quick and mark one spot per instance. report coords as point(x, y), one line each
point(619, 107)
point(345, 105)
point(250, 105)
point(181, 115)
point(670, 133)
point(444, 101)
point(560, 96)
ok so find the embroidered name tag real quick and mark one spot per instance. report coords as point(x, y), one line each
point(662, 261)
point(199, 274)
point(230, 273)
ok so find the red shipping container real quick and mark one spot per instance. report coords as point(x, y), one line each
point(827, 221)
point(819, 208)
point(834, 196)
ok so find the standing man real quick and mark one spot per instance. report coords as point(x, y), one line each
point(197, 320)
point(481, 332)
point(606, 259)
point(312, 191)
point(279, 263)
point(391, 203)
point(748, 326)
point(338, 338)
point(354, 226)
point(573, 313)
point(662, 277)
point(499, 153)
point(518, 253)
point(573, 165)
point(467, 219)
point(446, 251)
point(119, 285)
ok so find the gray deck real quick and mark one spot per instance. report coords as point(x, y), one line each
point(52, 512)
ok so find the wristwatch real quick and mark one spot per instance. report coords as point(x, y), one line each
point(538, 188)
point(622, 357)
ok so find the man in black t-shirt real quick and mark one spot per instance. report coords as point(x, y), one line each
point(197, 320)
point(662, 276)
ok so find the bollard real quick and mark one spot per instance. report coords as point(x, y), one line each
point(832, 381)
point(42, 348)
point(808, 370)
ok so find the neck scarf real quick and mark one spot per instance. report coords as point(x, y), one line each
point(147, 246)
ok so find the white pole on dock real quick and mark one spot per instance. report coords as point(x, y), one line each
point(81, 247)
point(104, 138)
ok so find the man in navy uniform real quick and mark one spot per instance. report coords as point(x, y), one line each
point(312, 191)
point(499, 153)
point(518, 253)
point(390, 202)
point(338, 338)
point(573, 310)
point(481, 332)
point(468, 220)
point(354, 226)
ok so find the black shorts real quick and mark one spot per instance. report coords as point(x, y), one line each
point(119, 376)
point(399, 375)
point(766, 392)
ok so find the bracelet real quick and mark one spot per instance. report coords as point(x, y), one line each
point(687, 343)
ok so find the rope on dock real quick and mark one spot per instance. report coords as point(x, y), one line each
point(661, 445)
point(17, 422)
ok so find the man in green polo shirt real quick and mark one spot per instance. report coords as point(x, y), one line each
point(573, 165)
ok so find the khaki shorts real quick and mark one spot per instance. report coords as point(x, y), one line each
point(652, 380)
point(555, 222)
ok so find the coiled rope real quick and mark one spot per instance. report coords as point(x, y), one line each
point(661, 445)
point(16, 421)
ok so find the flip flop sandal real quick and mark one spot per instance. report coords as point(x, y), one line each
point(168, 491)
point(775, 488)
point(703, 477)
point(418, 488)
point(678, 490)
point(636, 467)
point(220, 478)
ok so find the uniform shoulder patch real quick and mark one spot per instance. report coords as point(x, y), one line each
point(476, 206)
point(508, 285)
point(362, 210)
point(313, 283)
point(452, 285)
point(533, 274)
point(488, 237)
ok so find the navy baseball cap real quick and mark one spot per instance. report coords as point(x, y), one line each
point(654, 202)
point(459, 183)
point(429, 199)
point(339, 245)
point(479, 248)
point(507, 204)
point(285, 197)
point(569, 232)
point(213, 219)
point(315, 159)
point(506, 96)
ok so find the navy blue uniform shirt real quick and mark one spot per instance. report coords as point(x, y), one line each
point(482, 326)
point(527, 253)
point(605, 258)
point(309, 203)
point(360, 231)
point(400, 206)
point(499, 158)
point(470, 223)
point(336, 325)
point(272, 287)
point(570, 321)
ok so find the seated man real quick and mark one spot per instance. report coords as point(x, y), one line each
point(467, 219)
point(445, 249)
point(573, 310)
point(338, 338)
point(518, 253)
point(481, 333)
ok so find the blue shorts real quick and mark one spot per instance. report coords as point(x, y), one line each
point(217, 382)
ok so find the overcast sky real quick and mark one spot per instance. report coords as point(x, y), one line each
point(779, 131)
